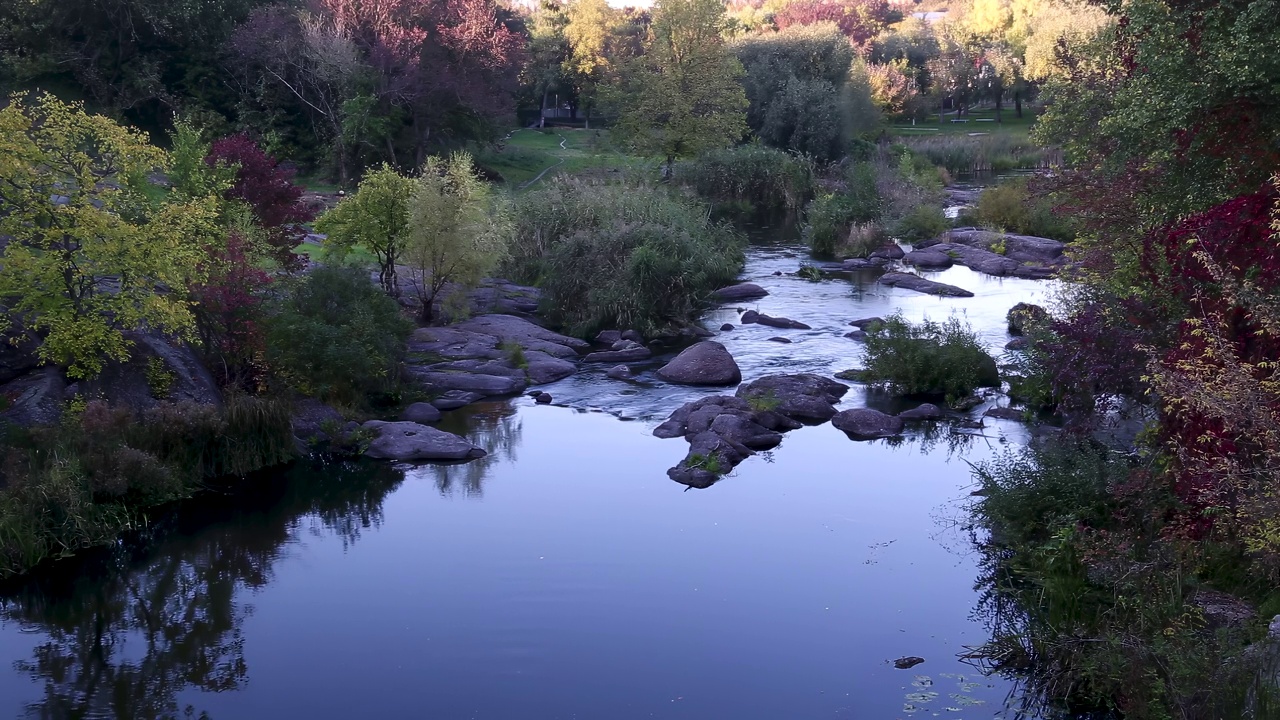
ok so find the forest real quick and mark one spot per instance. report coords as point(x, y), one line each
point(280, 193)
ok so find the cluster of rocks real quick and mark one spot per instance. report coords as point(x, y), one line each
point(1023, 256)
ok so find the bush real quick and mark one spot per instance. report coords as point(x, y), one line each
point(929, 359)
point(829, 218)
point(922, 223)
point(337, 337)
point(1010, 207)
point(626, 255)
point(768, 180)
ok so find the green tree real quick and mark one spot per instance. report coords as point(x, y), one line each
point(90, 251)
point(548, 50)
point(456, 237)
point(684, 94)
point(589, 33)
point(375, 218)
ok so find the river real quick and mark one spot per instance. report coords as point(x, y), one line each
point(562, 576)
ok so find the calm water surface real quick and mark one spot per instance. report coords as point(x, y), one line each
point(563, 576)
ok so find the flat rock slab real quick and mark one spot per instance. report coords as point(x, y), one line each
point(620, 356)
point(481, 384)
point(512, 329)
point(741, 291)
point(908, 281)
point(1023, 248)
point(867, 424)
point(926, 411)
point(704, 363)
point(929, 258)
point(454, 399)
point(408, 441)
point(422, 413)
point(804, 397)
point(752, 317)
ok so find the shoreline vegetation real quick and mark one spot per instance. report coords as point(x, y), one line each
point(179, 311)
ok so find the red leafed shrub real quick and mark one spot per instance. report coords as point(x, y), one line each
point(269, 190)
point(229, 312)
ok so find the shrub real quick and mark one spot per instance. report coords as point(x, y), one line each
point(335, 336)
point(769, 180)
point(1010, 207)
point(620, 255)
point(923, 222)
point(927, 359)
point(830, 217)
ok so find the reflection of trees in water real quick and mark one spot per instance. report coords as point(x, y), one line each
point(497, 428)
point(126, 634)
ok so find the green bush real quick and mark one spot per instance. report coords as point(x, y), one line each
point(628, 255)
point(830, 217)
point(927, 359)
point(922, 223)
point(80, 484)
point(337, 337)
point(767, 180)
point(1009, 207)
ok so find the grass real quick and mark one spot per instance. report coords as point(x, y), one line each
point(978, 123)
point(526, 153)
point(356, 256)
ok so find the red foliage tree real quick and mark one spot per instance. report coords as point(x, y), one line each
point(859, 20)
point(269, 190)
point(228, 314)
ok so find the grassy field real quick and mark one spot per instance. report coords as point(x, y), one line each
point(526, 153)
point(979, 121)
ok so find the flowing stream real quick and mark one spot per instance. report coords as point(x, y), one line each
point(562, 576)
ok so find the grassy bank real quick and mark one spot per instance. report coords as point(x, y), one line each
point(526, 153)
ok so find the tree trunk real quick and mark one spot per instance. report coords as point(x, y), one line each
point(666, 175)
point(999, 105)
point(587, 115)
point(428, 310)
point(1017, 103)
point(542, 111)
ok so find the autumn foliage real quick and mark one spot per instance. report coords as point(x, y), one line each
point(269, 191)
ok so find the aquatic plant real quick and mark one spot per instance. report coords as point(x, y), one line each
point(928, 358)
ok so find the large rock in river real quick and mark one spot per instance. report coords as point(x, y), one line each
point(907, 281)
point(741, 291)
point(867, 424)
point(410, 441)
point(704, 363)
point(804, 397)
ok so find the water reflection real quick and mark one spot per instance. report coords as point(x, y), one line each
point(494, 426)
point(126, 632)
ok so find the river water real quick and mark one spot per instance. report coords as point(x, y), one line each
point(562, 576)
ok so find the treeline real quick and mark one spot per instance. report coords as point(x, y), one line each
point(338, 86)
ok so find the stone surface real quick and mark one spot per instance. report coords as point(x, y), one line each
point(863, 263)
point(1023, 255)
point(867, 424)
point(925, 411)
point(751, 317)
point(908, 281)
point(856, 334)
point(1018, 343)
point(608, 337)
point(482, 384)
point(639, 352)
point(745, 431)
point(407, 441)
point(34, 399)
point(726, 327)
point(633, 335)
point(620, 372)
point(508, 328)
point(866, 323)
point(454, 399)
point(890, 251)
point(1005, 413)
point(704, 363)
point(543, 398)
point(803, 397)
point(741, 291)
point(309, 417)
point(421, 412)
point(928, 258)
point(1025, 316)
point(541, 368)
point(777, 339)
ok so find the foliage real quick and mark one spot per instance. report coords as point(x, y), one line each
point(928, 358)
point(229, 307)
point(922, 223)
point(1011, 207)
point(830, 217)
point(269, 192)
point(770, 180)
point(624, 255)
point(91, 254)
point(683, 96)
point(374, 218)
point(336, 337)
point(589, 33)
point(964, 154)
point(858, 20)
point(79, 485)
point(456, 235)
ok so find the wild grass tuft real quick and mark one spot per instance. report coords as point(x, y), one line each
point(751, 176)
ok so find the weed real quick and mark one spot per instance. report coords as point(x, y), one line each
point(710, 463)
point(764, 402)
point(515, 354)
point(810, 273)
point(159, 377)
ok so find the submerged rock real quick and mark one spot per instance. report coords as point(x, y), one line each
point(620, 372)
point(741, 291)
point(407, 441)
point(908, 662)
point(777, 339)
point(726, 327)
point(925, 411)
point(704, 363)
point(908, 281)
point(867, 424)
point(479, 383)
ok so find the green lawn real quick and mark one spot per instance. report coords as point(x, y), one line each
point(526, 153)
point(979, 121)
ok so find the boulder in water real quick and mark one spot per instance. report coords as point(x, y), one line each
point(704, 363)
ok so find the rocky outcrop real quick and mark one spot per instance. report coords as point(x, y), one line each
point(907, 281)
point(409, 441)
point(751, 317)
point(867, 424)
point(490, 355)
point(624, 351)
point(35, 398)
point(704, 363)
point(999, 254)
point(889, 251)
point(1024, 317)
point(722, 431)
point(802, 397)
point(929, 259)
point(741, 291)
